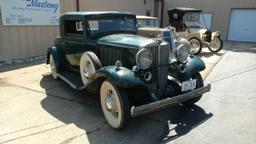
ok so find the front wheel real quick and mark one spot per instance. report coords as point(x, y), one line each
point(196, 45)
point(215, 45)
point(114, 104)
point(199, 84)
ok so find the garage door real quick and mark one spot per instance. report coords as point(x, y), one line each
point(242, 26)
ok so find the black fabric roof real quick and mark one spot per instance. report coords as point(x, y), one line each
point(184, 9)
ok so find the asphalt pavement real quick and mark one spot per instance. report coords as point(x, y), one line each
point(34, 108)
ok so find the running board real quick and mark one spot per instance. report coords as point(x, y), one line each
point(72, 79)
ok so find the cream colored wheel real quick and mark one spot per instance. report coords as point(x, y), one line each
point(53, 68)
point(115, 105)
point(89, 63)
point(196, 45)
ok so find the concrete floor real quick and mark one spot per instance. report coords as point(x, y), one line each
point(34, 108)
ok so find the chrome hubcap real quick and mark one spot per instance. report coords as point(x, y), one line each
point(109, 102)
point(111, 105)
point(87, 70)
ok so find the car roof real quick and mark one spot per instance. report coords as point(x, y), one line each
point(146, 17)
point(97, 13)
point(185, 9)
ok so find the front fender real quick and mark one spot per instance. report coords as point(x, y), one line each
point(122, 76)
point(194, 65)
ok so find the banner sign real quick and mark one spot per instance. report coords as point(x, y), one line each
point(30, 12)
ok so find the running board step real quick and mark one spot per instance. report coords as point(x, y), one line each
point(72, 79)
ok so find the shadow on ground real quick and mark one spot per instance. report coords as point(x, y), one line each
point(208, 54)
point(243, 47)
point(83, 110)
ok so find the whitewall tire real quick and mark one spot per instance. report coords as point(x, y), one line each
point(115, 105)
point(89, 63)
point(53, 68)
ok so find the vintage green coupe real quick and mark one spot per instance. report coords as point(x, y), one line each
point(134, 75)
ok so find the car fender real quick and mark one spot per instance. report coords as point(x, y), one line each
point(193, 65)
point(216, 34)
point(121, 76)
point(191, 35)
point(55, 51)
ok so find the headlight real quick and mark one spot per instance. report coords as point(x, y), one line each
point(144, 59)
point(183, 53)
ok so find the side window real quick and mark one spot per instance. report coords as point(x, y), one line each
point(94, 25)
point(73, 27)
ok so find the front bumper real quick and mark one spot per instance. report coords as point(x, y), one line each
point(147, 108)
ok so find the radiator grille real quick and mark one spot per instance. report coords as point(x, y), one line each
point(159, 68)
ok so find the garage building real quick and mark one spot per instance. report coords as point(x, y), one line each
point(236, 19)
point(24, 43)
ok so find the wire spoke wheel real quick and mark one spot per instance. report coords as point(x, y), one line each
point(215, 44)
point(196, 45)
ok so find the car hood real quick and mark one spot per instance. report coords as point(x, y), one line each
point(125, 40)
point(150, 28)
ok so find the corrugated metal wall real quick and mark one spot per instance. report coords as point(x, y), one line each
point(221, 10)
point(136, 6)
point(19, 42)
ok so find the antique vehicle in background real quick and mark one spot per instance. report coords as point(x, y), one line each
point(134, 75)
point(186, 22)
point(148, 26)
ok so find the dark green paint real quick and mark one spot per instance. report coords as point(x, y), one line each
point(124, 40)
point(194, 64)
point(122, 76)
point(110, 48)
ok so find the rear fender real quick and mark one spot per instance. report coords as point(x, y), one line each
point(194, 65)
point(57, 55)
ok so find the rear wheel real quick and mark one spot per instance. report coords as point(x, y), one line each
point(215, 45)
point(114, 104)
point(196, 45)
point(53, 68)
point(199, 84)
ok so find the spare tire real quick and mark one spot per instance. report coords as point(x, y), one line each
point(89, 63)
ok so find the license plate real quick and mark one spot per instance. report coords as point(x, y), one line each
point(188, 85)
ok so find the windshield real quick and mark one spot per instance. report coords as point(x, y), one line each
point(192, 19)
point(105, 25)
point(148, 23)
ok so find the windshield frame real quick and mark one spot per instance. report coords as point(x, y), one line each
point(156, 22)
point(193, 24)
point(103, 33)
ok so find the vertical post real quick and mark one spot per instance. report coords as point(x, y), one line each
point(77, 6)
point(162, 13)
